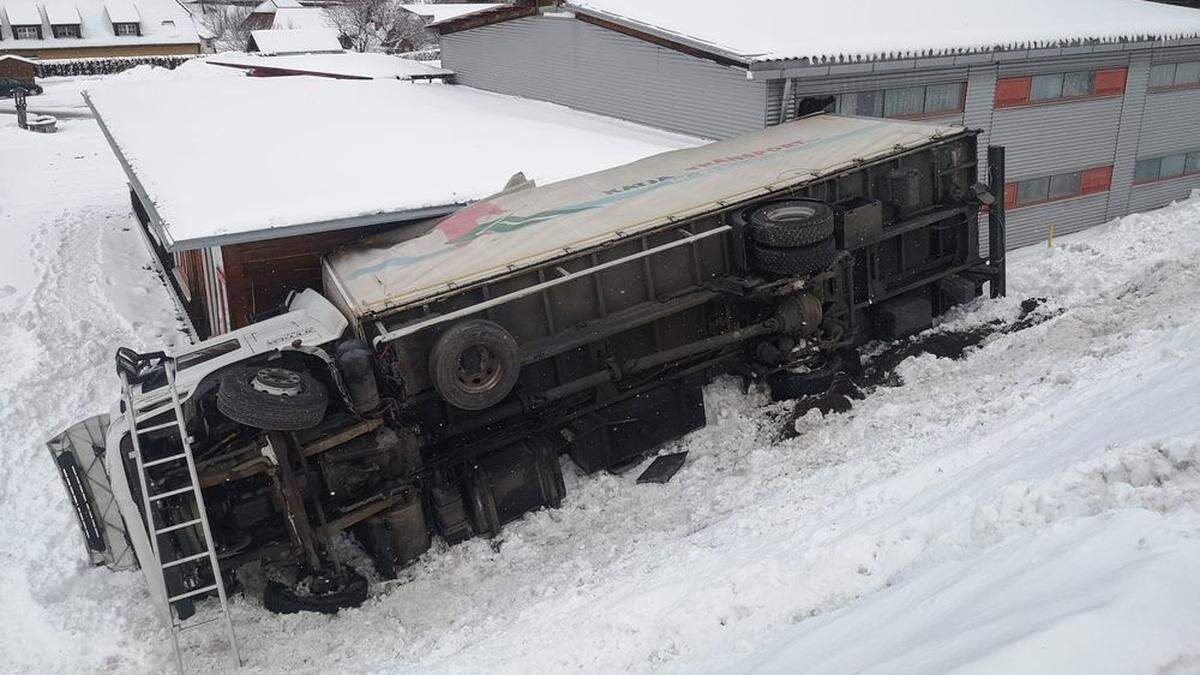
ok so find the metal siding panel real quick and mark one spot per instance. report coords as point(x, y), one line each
point(977, 114)
point(1175, 54)
point(1030, 224)
point(1064, 64)
point(1128, 136)
point(1153, 195)
point(1171, 123)
point(572, 63)
point(1044, 139)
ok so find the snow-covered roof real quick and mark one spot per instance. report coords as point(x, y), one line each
point(267, 6)
point(162, 22)
point(851, 30)
point(341, 153)
point(446, 12)
point(14, 57)
point(61, 15)
point(296, 41)
point(356, 65)
point(301, 18)
point(22, 13)
point(122, 11)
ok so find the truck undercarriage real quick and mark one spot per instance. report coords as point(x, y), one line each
point(450, 417)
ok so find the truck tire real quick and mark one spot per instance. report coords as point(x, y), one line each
point(795, 261)
point(275, 399)
point(351, 591)
point(474, 364)
point(789, 223)
point(786, 385)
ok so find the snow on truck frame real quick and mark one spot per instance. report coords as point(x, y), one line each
point(435, 389)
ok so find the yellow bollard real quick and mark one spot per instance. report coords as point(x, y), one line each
point(1050, 236)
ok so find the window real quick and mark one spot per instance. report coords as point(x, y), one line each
point(126, 29)
point(1064, 185)
point(904, 101)
point(865, 104)
point(27, 32)
point(67, 30)
point(1146, 170)
point(1057, 186)
point(1168, 75)
point(1167, 166)
point(943, 98)
point(1046, 87)
point(1193, 163)
point(1018, 91)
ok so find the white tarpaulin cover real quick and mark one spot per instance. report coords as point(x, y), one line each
point(515, 230)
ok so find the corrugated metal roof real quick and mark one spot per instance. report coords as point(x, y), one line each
point(858, 30)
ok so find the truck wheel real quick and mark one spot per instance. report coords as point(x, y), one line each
point(315, 594)
point(789, 223)
point(276, 399)
point(786, 384)
point(474, 364)
point(795, 261)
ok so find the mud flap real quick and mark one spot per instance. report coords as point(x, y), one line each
point(78, 454)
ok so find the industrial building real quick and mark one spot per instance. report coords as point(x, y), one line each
point(1096, 100)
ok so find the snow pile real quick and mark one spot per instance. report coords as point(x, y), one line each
point(1031, 507)
point(855, 30)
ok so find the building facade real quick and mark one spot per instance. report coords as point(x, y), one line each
point(1094, 129)
point(69, 29)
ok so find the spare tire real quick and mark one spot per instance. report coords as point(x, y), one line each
point(474, 364)
point(795, 261)
point(787, 384)
point(791, 222)
point(275, 399)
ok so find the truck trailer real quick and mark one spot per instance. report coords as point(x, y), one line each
point(438, 385)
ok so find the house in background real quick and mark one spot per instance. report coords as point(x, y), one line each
point(1095, 100)
point(294, 41)
point(67, 29)
point(248, 216)
point(18, 68)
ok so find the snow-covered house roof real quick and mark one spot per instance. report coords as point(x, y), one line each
point(122, 11)
point(301, 18)
point(161, 22)
point(340, 153)
point(22, 13)
point(62, 15)
point(749, 31)
point(350, 65)
point(295, 41)
point(272, 5)
point(449, 11)
point(14, 57)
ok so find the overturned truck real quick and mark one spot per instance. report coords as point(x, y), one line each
point(437, 385)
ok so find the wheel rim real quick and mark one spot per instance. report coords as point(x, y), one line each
point(478, 370)
point(789, 213)
point(277, 382)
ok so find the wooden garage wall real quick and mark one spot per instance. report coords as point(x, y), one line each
point(258, 276)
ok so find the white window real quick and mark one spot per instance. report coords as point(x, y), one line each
point(904, 102)
point(1046, 87)
point(66, 30)
point(943, 97)
point(126, 29)
point(27, 32)
point(1078, 84)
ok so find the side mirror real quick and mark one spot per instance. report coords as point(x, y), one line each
point(983, 194)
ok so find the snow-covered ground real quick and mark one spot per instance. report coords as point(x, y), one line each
point(1029, 508)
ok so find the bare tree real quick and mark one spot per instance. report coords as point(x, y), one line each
point(228, 26)
point(377, 26)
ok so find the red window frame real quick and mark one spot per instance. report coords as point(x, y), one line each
point(1013, 92)
point(1095, 180)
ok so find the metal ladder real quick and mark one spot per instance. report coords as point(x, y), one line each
point(132, 369)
